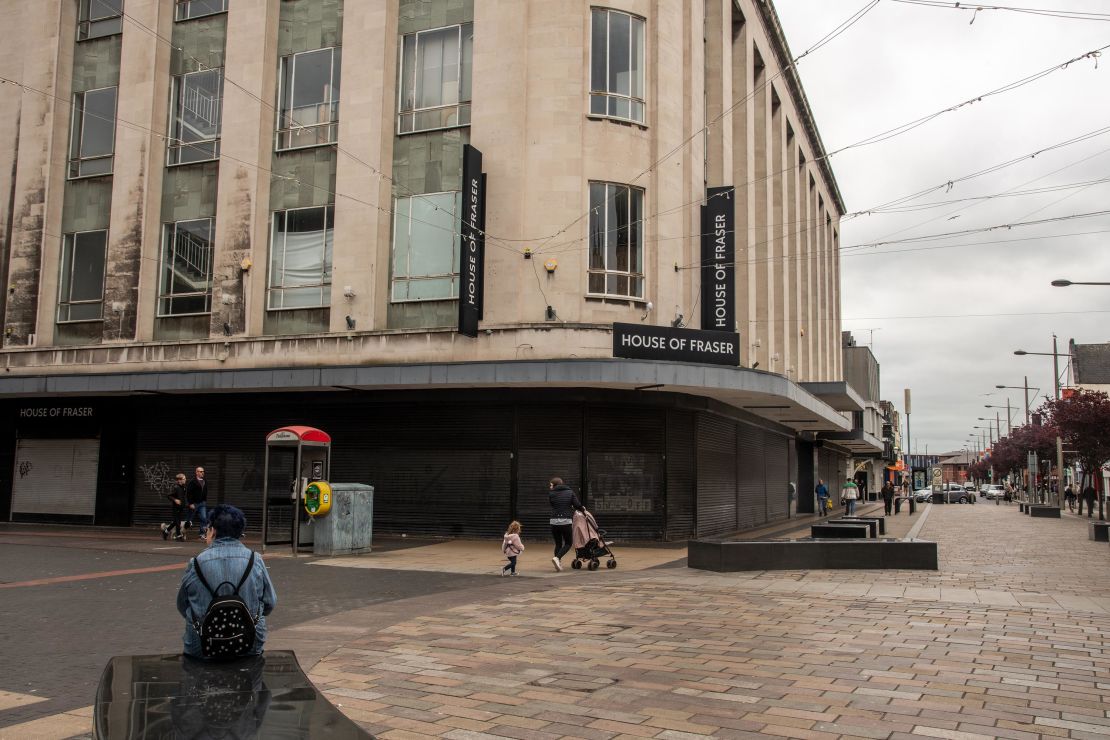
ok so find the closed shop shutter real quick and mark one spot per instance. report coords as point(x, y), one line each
point(55, 477)
point(681, 462)
point(716, 456)
point(549, 445)
point(777, 455)
point(625, 471)
point(751, 493)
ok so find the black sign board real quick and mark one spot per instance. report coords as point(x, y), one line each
point(472, 242)
point(645, 342)
point(718, 257)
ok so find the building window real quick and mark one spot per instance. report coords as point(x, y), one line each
point(616, 241)
point(426, 247)
point(81, 295)
point(195, 119)
point(309, 112)
point(185, 286)
point(99, 18)
point(617, 66)
point(300, 258)
point(93, 134)
point(436, 70)
point(187, 9)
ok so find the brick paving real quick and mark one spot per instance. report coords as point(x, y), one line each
point(1007, 639)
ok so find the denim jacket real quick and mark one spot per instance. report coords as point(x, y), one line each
point(224, 560)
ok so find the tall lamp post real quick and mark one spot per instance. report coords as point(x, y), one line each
point(1055, 355)
point(1022, 388)
point(1067, 283)
point(1009, 416)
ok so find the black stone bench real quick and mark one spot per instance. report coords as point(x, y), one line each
point(872, 526)
point(1021, 507)
point(839, 530)
point(174, 696)
point(1045, 510)
point(880, 521)
point(812, 554)
point(1098, 531)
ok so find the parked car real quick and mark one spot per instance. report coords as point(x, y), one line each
point(921, 495)
point(957, 494)
point(996, 491)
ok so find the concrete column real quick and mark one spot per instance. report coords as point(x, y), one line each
point(247, 144)
point(793, 259)
point(838, 370)
point(805, 228)
point(761, 236)
point(718, 89)
point(778, 251)
point(743, 172)
point(821, 313)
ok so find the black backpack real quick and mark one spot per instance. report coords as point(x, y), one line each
point(227, 629)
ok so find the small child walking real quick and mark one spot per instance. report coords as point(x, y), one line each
point(512, 547)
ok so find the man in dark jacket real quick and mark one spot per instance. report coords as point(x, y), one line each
point(563, 505)
point(888, 497)
point(177, 497)
point(197, 494)
point(1090, 495)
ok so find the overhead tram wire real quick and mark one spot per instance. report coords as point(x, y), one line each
point(975, 9)
point(993, 196)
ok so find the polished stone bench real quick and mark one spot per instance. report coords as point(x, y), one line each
point(155, 696)
point(1098, 531)
point(1044, 510)
point(812, 554)
point(831, 529)
point(872, 527)
point(879, 521)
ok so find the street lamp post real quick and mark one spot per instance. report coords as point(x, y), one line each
point(1067, 283)
point(1025, 388)
point(1056, 385)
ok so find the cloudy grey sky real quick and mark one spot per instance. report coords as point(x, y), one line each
point(902, 62)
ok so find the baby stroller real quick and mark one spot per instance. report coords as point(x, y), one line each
point(589, 543)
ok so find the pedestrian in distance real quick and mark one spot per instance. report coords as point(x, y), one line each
point(888, 497)
point(177, 497)
point(1069, 497)
point(512, 547)
point(225, 593)
point(563, 505)
point(822, 492)
point(1089, 495)
point(197, 492)
point(849, 492)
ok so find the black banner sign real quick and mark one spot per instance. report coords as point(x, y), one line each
point(472, 242)
point(645, 342)
point(718, 256)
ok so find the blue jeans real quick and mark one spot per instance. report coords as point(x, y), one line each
point(200, 515)
point(823, 505)
point(851, 506)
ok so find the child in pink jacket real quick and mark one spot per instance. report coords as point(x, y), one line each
point(512, 547)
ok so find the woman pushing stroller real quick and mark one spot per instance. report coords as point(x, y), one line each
point(563, 505)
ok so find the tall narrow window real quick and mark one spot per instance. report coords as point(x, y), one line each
point(187, 9)
point(309, 112)
point(185, 286)
point(617, 65)
point(426, 247)
point(436, 76)
point(98, 18)
point(93, 133)
point(81, 290)
point(616, 241)
point(195, 120)
point(300, 258)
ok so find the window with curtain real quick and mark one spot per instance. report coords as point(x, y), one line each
point(92, 139)
point(99, 18)
point(187, 9)
point(195, 120)
point(185, 286)
point(616, 241)
point(300, 258)
point(617, 65)
point(309, 110)
point(426, 247)
point(81, 288)
point(436, 68)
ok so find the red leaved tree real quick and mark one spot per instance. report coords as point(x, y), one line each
point(1084, 423)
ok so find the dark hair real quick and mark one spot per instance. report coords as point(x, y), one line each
point(228, 521)
point(556, 481)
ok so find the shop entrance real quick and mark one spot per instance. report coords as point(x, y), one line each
point(55, 477)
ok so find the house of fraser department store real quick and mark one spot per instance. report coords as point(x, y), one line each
point(224, 216)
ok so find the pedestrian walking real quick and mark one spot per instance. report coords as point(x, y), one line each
point(1069, 497)
point(197, 496)
point(563, 505)
point(177, 497)
point(822, 492)
point(1089, 495)
point(888, 497)
point(849, 492)
point(511, 546)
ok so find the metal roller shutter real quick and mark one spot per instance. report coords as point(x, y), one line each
point(751, 491)
point(681, 480)
point(777, 455)
point(55, 477)
point(716, 476)
point(625, 472)
point(549, 445)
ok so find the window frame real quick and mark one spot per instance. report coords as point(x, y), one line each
point(79, 131)
point(280, 133)
point(179, 4)
point(413, 112)
point(169, 231)
point(641, 276)
point(173, 144)
point(606, 93)
point(85, 22)
point(69, 242)
point(327, 271)
point(456, 251)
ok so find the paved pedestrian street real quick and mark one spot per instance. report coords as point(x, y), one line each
point(1007, 639)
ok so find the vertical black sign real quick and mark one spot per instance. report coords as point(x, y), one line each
point(472, 241)
point(718, 256)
